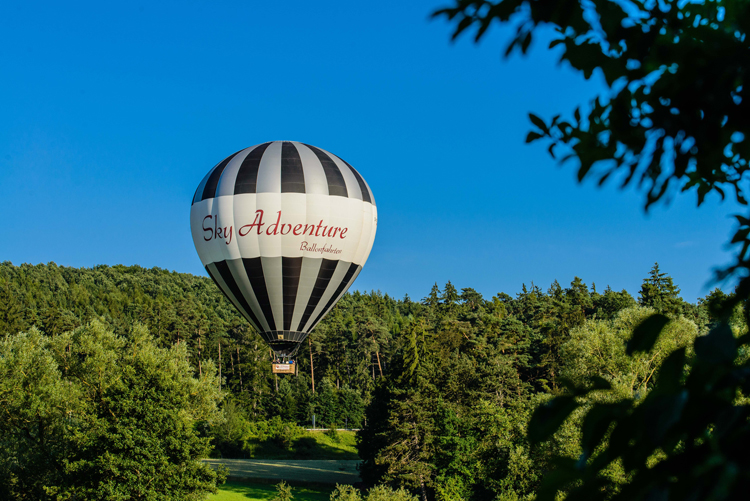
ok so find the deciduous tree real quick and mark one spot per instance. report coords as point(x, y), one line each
point(92, 415)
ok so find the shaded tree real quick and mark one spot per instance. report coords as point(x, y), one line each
point(660, 293)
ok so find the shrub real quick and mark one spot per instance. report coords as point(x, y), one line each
point(283, 492)
point(333, 434)
point(377, 493)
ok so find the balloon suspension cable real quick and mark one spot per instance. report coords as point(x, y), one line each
point(284, 357)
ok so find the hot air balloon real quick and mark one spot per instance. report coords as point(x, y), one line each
point(283, 228)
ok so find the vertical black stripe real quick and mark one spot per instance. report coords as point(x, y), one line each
point(342, 286)
point(247, 175)
point(336, 183)
point(226, 276)
point(291, 269)
point(292, 176)
point(254, 269)
point(327, 267)
point(362, 185)
point(213, 180)
point(195, 197)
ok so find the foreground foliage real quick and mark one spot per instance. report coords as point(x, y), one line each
point(686, 439)
point(91, 415)
point(674, 117)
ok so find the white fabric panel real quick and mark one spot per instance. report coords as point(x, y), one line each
point(364, 239)
point(371, 238)
point(294, 212)
point(307, 278)
point(244, 207)
point(275, 288)
point(270, 204)
point(223, 211)
point(240, 276)
point(318, 208)
point(343, 213)
point(316, 182)
point(209, 248)
point(352, 186)
point(336, 279)
point(324, 213)
point(229, 176)
point(269, 171)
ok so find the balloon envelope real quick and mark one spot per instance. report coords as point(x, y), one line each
point(283, 228)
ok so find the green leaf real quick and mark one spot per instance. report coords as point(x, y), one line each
point(462, 25)
point(645, 335)
point(595, 425)
point(526, 42)
point(660, 414)
point(564, 473)
point(569, 385)
point(717, 347)
point(599, 383)
point(548, 417)
point(671, 371)
point(533, 136)
point(539, 123)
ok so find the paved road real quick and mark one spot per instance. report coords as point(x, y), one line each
point(320, 471)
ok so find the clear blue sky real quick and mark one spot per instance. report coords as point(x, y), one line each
point(112, 112)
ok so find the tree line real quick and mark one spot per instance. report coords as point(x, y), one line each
point(442, 388)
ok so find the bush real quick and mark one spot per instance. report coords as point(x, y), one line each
point(230, 435)
point(385, 493)
point(345, 493)
point(377, 493)
point(333, 434)
point(271, 437)
point(305, 447)
point(283, 492)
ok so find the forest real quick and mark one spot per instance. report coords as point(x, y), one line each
point(441, 389)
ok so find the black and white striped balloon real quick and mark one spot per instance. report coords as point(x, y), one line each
point(283, 228)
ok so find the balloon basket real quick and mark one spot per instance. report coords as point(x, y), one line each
point(283, 368)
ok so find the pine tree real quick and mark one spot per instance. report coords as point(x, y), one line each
point(659, 292)
point(578, 294)
point(412, 350)
point(450, 295)
point(608, 304)
point(555, 291)
point(433, 299)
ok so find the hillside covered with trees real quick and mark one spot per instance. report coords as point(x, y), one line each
point(442, 388)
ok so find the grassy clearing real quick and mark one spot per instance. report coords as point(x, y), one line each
point(244, 491)
point(313, 445)
point(344, 443)
point(307, 472)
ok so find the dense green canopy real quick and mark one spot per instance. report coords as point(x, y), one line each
point(443, 388)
